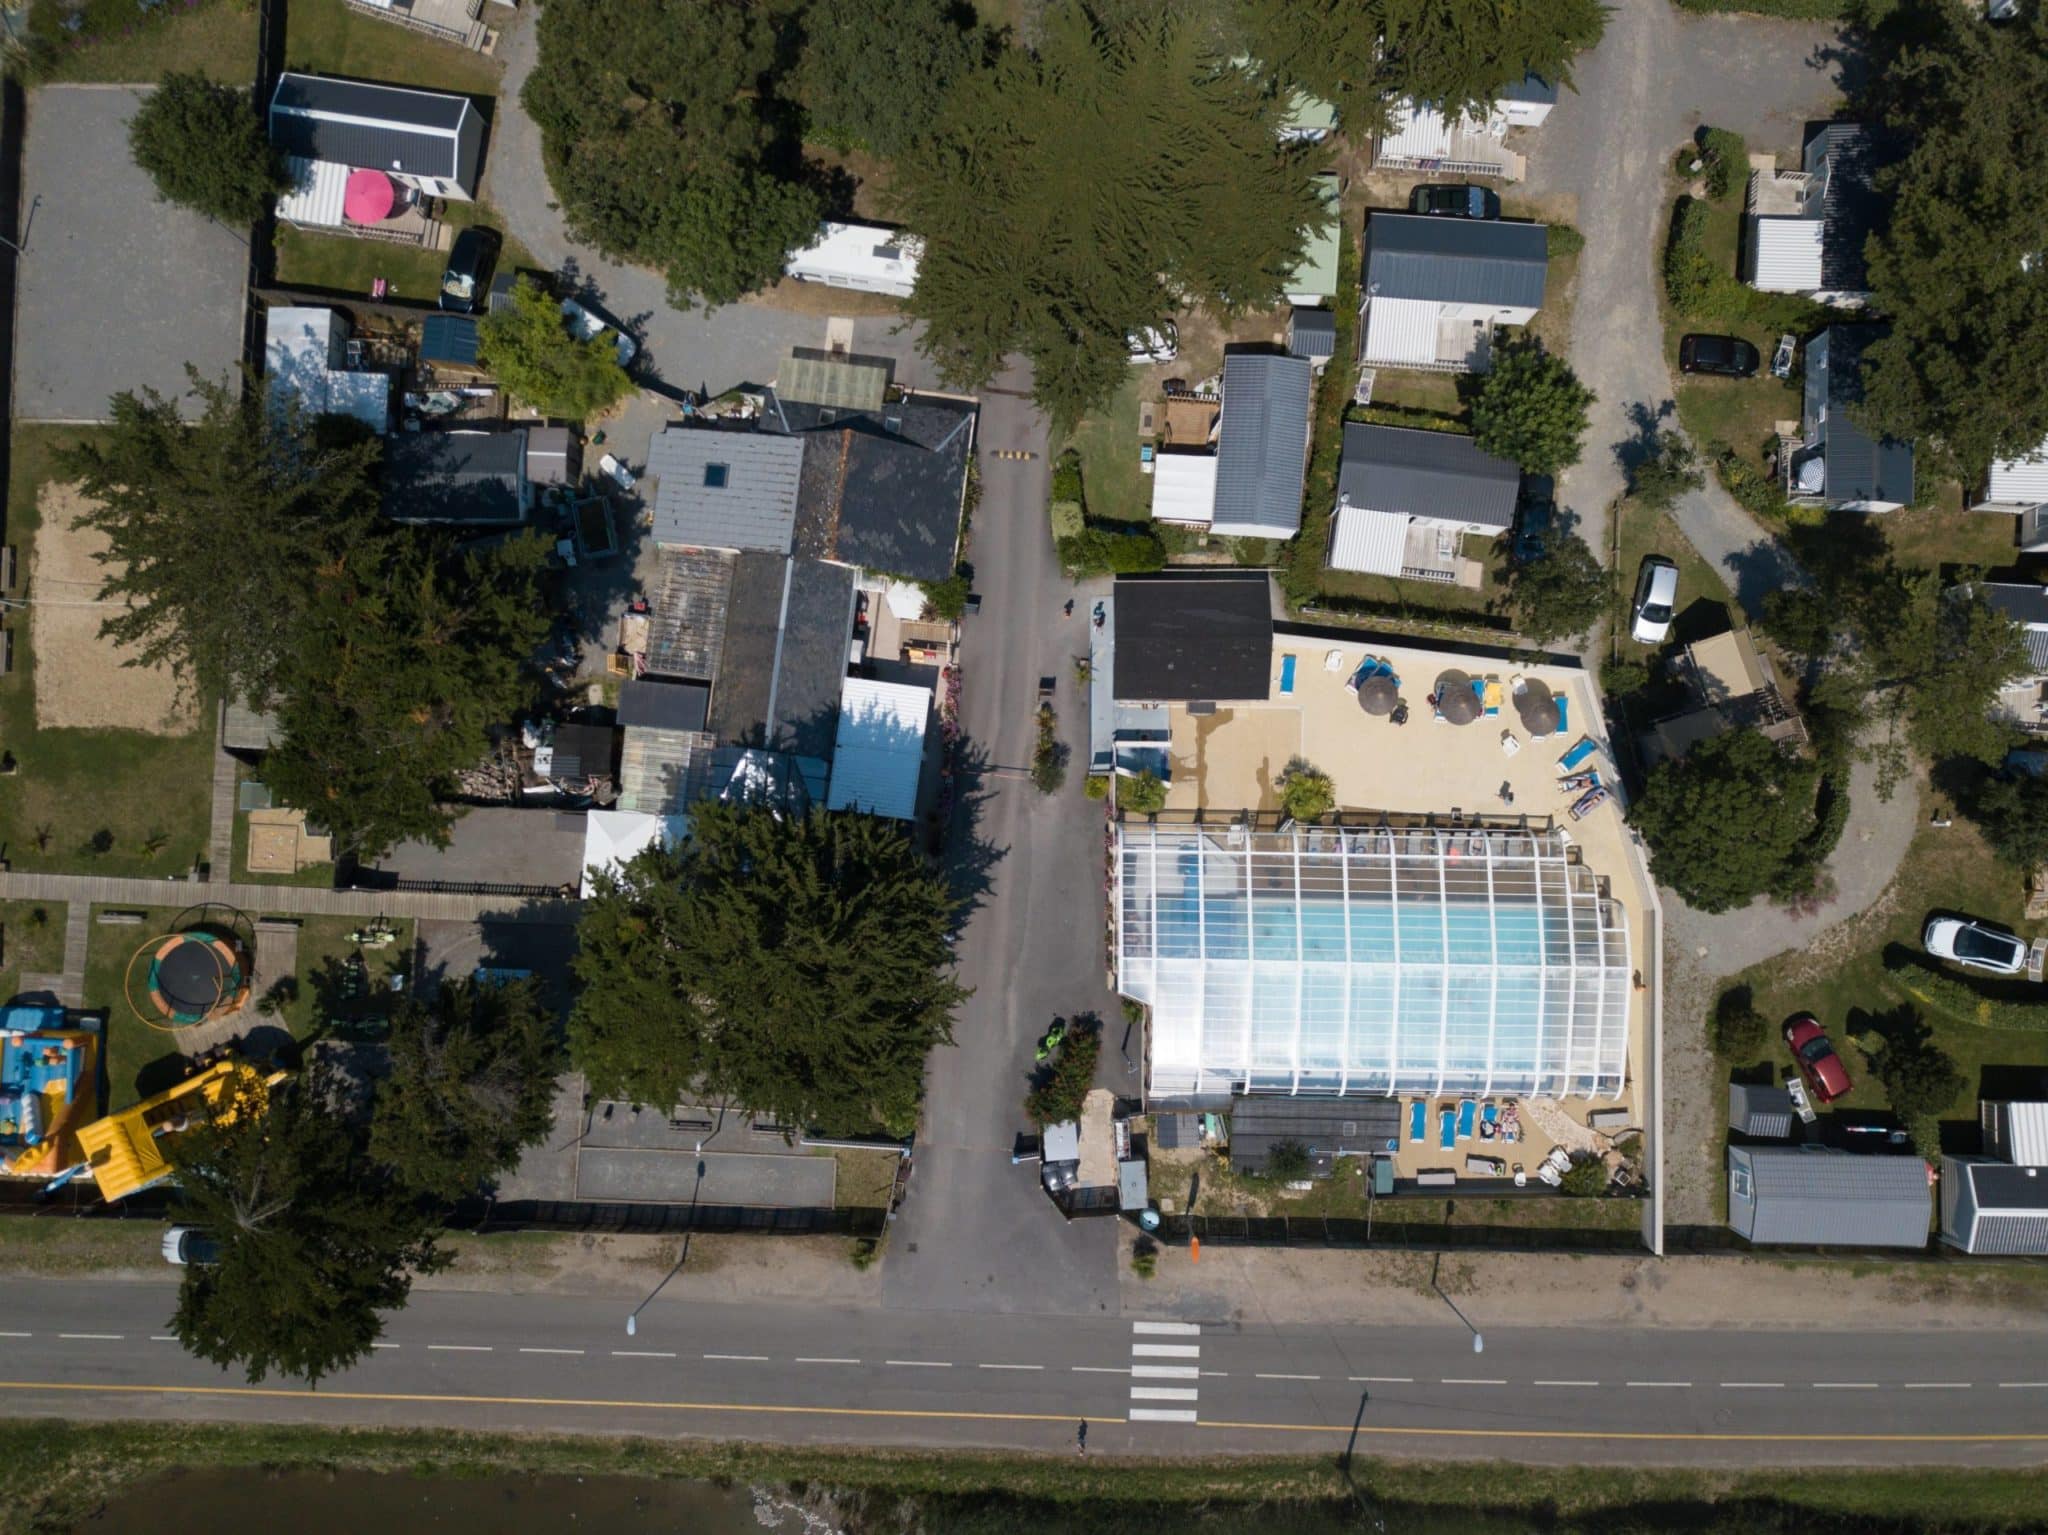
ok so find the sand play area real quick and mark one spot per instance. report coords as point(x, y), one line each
point(81, 681)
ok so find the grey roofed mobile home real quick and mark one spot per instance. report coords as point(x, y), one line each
point(1860, 467)
point(1843, 155)
point(1761, 1111)
point(1414, 473)
point(2026, 604)
point(419, 134)
point(1988, 1206)
point(1814, 1196)
point(725, 489)
point(1193, 634)
point(1312, 333)
point(462, 478)
point(1456, 261)
point(1262, 446)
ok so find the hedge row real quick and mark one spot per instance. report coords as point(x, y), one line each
point(1960, 1000)
point(1702, 286)
point(1796, 10)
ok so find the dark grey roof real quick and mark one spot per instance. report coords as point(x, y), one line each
point(1456, 261)
point(455, 477)
point(448, 338)
point(651, 705)
point(722, 489)
point(1763, 1111)
point(553, 455)
point(1324, 1127)
point(1312, 333)
point(881, 489)
point(2025, 604)
point(1262, 447)
point(1814, 1197)
point(1860, 467)
point(1206, 635)
point(2002, 1186)
point(1851, 207)
point(584, 751)
point(385, 127)
point(1531, 87)
point(1415, 473)
point(787, 624)
point(1177, 1132)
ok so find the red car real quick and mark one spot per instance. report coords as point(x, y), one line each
point(1818, 1063)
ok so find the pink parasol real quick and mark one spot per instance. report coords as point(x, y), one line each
point(368, 197)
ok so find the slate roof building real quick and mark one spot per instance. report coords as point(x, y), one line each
point(427, 140)
point(1435, 288)
point(1262, 446)
point(724, 489)
point(468, 479)
point(1191, 635)
point(783, 655)
point(1814, 1196)
point(1407, 498)
point(1326, 1130)
point(1839, 463)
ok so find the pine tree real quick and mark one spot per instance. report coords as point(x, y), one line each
point(471, 1085)
point(204, 521)
point(795, 966)
point(874, 71)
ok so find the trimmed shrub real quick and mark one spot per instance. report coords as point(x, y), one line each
point(1067, 520)
point(1563, 240)
point(1142, 795)
point(1739, 1030)
point(1727, 160)
point(1066, 477)
point(1755, 491)
point(1098, 551)
point(1951, 995)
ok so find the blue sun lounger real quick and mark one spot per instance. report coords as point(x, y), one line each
point(1418, 1121)
point(1577, 754)
point(1487, 1116)
point(1446, 1135)
point(1564, 715)
point(1466, 1111)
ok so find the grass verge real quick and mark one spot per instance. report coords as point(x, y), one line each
point(27, 943)
point(1107, 440)
point(216, 38)
point(326, 37)
point(349, 265)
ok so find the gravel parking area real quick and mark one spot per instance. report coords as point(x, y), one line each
point(118, 290)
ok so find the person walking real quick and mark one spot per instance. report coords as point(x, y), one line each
point(1081, 1439)
point(1070, 607)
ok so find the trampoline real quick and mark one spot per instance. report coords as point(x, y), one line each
point(188, 976)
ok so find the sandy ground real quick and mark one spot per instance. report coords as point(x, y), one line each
point(717, 1267)
point(81, 681)
point(1303, 1286)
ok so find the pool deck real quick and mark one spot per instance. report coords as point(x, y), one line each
point(1234, 758)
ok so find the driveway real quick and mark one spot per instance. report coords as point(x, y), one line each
point(1656, 75)
point(974, 1232)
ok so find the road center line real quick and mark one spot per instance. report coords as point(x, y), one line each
point(1113, 1369)
point(1455, 1380)
point(1262, 1375)
point(93, 1337)
point(1937, 1385)
point(1845, 1385)
point(1655, 1383)
point(1752, 1385)
point(16, 1335)
point(922, 1364)
point(634, 1353)
point(164, 1337)
point(742, 1358)
point(2023, 1385)
point(1588, 1383)
point(1390, 1380)
point(387, 1345)
point(1009, 1367)
point(459, 1348)
point(551, 1351)
point(823, 1359)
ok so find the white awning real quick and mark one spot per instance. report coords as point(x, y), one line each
point(1184, 488)
point(2020, 481)
point(879, 758)
point(1369, 541)
point(613, 838)
point(1399, 330)
point(315, 198)
point(1784, 255)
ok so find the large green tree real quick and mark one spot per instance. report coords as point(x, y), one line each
point(2014, 815)
point(793, 965)
point(471, 1085)
point(203, 145)
point(408, 652)
point(874, 71)
point(315, 1240)
point(1561, 592)
point(1076, 194)
point(529, 349)
point(1362, 54)
point(1957, 267)
point(1530, 407)
point(666, 140)
point(1723, 822)
point(207, 525)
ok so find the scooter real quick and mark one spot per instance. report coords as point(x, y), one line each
point(1054, 1036)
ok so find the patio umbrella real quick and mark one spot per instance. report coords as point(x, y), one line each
point(1537, 707)
point(368, 198)
point(1379, 694)
point(1455, 700)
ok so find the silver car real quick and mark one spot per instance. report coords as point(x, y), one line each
point(1656, 599)
point(1975, 945)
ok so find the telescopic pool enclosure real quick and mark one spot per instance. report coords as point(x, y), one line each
point(1364, 960)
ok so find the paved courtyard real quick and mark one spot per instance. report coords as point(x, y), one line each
point(118, 290)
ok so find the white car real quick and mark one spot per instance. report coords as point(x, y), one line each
point(190, 1247)
point(585, 326)
point(1656, 599)
point(1975, 945)
point(1160, 344)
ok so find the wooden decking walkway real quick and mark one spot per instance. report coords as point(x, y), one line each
point(86, 890)
point(222, 849)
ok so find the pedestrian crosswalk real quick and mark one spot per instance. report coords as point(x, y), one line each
point(1165, 1369)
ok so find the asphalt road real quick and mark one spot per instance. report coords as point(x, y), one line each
point(1151, 1387)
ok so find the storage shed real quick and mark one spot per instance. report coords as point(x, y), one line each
point(1815, 1196)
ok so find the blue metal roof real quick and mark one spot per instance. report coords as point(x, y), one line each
point(1262, 448)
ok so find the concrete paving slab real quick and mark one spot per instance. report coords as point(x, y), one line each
point(670, 1177)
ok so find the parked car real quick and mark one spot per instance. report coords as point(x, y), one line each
point(1975, 944)
point(1159, 344)
point(1825, 1075)
point(1533, 520)
point(1729, 356)
point(1455, 202)
point(585, 326)
point(467, 277)
point(191, 1247)
point(1656, 599)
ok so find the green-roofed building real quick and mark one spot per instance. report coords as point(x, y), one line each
point(1309, 118)
point(1314, 282)
point(837, 380)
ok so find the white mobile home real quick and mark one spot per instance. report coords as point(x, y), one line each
point(1435, 289)
point(865, 257)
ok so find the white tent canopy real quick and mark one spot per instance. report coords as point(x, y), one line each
point(1184, 488)
point(613, 838)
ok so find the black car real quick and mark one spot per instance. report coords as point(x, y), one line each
point(1455, 202)
point(467, 278)
point(1532, 526)
point(1729, 356)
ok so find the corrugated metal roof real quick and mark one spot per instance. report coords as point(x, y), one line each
point(456, 477)
point(317, 191)
point(838, 380)
point(1372, 542)
point(725, 490)
point(1184, 487)
point(353, 122)
point(1784, 254)
point(449, 338)
point(1456, 261)
point(1262, 448)
point(1826, 1198)
point(2023, 1132)
point(2021, 481)
point(1859, 466)
point(1851, 207)
point(2010, 1236)
point(1444, 475)
point(1312, 333)
point(1759, 1110)
point(1399, 330)
point(864, 256)
point(879, 757)
point(1316, 276)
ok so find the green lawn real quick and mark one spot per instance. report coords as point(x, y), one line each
point(1107, 441)
point(218, 39)
point(142, 1060)
point(326, 37)
point(1640, 531)
point(1343, 1196)
point(342, 262)
point(866, 1178)
point(1427, 394)
point(1427, 596)
point(28, 943)
point(146, 791)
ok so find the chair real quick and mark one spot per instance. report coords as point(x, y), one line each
point(1446, 1135)
point(1418, 1120)
point(1467, 1112)
point(1509, 744)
